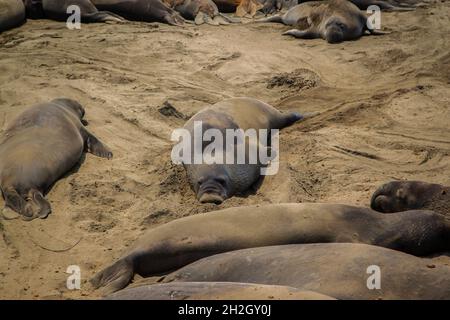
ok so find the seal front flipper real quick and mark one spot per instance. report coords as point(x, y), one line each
point(114, 277)
point(15, 202)
point(302, 34)
point(37, 206)
point(95, 146)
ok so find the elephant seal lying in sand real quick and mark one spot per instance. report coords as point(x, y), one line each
point(399, 196)
point(215, 291)
point(215, 182)
point(334, 21)
point(110, 10)
point(340, 270)
point(185, 240)
point(12, 14)
point(37, 148)
point(201, 11)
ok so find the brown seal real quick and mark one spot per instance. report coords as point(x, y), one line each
point(334, 20)
point(37, 148)
point(201, 11)
point(213, 183)
point(398, 196)
point(177, 243)
point(215, 291)
point(340, 270)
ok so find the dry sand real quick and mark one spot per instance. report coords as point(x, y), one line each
point(382, 104)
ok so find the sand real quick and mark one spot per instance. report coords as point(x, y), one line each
point(380, 105)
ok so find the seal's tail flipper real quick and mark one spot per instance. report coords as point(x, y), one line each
point(114, 277)
point(291, 118)
point(277, 19)
point(96, 147)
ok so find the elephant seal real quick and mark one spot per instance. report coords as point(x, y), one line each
point(213, 183)
point(215, 291)
point(37, 148)
point(383, 5)
point(334, 20)
point(242, 8)
point(340, 270)
point(110, 10)
point(201, 11)
point(185, 240)
point(57, 10)
point(398, 196)
point(12, 14)
point(141, 10)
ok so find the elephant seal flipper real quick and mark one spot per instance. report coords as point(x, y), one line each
point(115, 277)
point(96, 147)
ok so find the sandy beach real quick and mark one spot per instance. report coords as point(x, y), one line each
point(379, 106)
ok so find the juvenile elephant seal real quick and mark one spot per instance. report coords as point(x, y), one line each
point(215, 291)
point(334, 20)
point(38, 147)
point(185, 240)
point(12, 14)
point(242, 8)
point(340, 270)
point(398, 196)
point(201, 11)
point(215, 182)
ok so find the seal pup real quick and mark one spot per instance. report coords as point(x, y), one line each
point(12, 14)
point(37, 148)
point(398, 196)
point(182, 241)
point(242, 8)
point(215, 291)
point(201, 11)
point(340, 270)
point(334, 21)
point(214, 183)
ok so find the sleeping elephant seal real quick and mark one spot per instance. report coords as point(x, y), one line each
point(201, 11)
point(334, 20)
point(185, 240)
point(141, 10)
point(57, 10)
point(215, 291)
point(38, 147)
point(242, 8)
point(398, 196)
point(340, 270)
point(12, 14)
point(213, 183)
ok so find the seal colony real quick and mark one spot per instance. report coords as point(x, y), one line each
point(347, 22)
point(263, 251)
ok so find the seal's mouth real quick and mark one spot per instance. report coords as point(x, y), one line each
point(211, 194)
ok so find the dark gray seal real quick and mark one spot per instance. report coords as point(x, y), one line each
point(397, 196)
point(12, 14)
point(340, 270)
point(37, 148)
point(177, 243)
